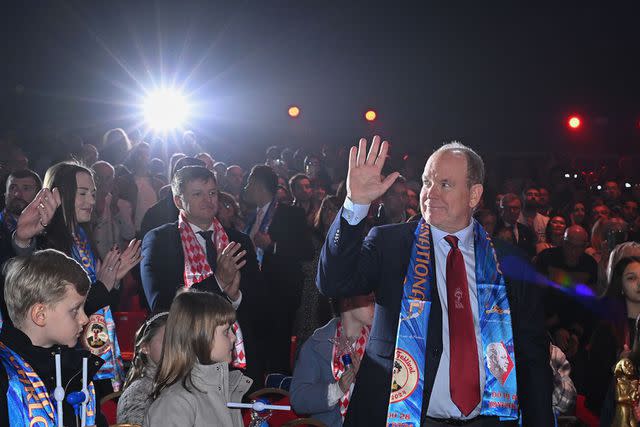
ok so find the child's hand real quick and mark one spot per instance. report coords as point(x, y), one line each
point(347, 379)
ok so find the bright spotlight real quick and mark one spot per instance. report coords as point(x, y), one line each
point(166, 109)
point(370, 115)
point(574, 122)
point(294, 111)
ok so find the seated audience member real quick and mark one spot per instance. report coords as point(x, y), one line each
point(300, 186)
point(56, 218)
point(21, 188)
point(111, 220)
point(564, 392)
point(567, 267)
point(623, 250)
point(509, 213)
point(193, 383)
point(321, 383)
point(136, 396)
point(195, 250)
point(207, 159)
point(554, 233)
point(165, 211)
point(45, 295)
point(233, 178)
point(577, 215)
point(530, 215)
point(606, 235)
point(616, 332)
point(487, 220)
point(229, 212)
point(393, 204)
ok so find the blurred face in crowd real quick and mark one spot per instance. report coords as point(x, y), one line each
point(199, 202)
point(234, 177)
point(412, 199)
point(395, 199)
point(328, 215)
point(600, 212)
point(85, 197)
point(611, 190)
point(223, 342)
point(574, 243)
point(544, 197)
point(630, 211)
point(20, 192)
point(578, 213)
point(207, 159)
point(446, 200)
point(510, 210)
point(631, 282)
point(227, 210)
point(558, 225)
point(361, 307)
point(153, 348)
point(532, 198)
point(312, 167)
point(319, 193)
point(283, 196)
point(302, 190)
point(105, 177)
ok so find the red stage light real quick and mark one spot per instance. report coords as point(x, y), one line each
point(574, 122)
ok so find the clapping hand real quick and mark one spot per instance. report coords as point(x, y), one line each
point(230, 261)
point(37, 215)
point(129, 258)
point(364, 180)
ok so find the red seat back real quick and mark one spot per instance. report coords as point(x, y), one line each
point(127, 323)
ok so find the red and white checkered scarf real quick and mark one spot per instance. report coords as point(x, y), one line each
point(338, 365)
point(197, 269)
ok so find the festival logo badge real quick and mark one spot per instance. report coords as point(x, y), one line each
point(95, 335)
point(405, 376)
point(498, 361)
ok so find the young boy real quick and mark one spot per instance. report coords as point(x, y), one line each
point(45, 295)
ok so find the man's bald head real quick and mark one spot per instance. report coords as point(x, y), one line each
point(576, 234)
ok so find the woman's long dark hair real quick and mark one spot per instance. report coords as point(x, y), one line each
point(62, 226)
point(616, 303)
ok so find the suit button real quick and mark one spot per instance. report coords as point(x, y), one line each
point(435, 352)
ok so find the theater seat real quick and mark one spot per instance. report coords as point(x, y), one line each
point(109, 407)
point(305, 422)
point(127, 323)
point(587, 417)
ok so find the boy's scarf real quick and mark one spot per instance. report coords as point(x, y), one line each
point(106, 345)
point(28, 401)
point(197, 269)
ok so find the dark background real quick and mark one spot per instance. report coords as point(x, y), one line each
point(500, 76)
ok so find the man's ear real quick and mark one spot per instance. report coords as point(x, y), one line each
point(476, 195)
point(38, 314)
point(177, 200)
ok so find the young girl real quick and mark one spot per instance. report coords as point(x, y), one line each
point(136, 397)
point(193, 383)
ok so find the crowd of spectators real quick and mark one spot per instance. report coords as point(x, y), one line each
point(127, 209)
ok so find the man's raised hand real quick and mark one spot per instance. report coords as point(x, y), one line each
point(364, 180)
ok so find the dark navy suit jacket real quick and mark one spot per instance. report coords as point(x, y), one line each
point(351, 264)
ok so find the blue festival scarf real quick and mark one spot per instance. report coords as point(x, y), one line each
point(9, 221)
point(500, 391)
point(28, 400)
point(99, 335)
point(264, 225)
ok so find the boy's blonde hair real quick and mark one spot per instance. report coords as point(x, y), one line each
point(40, 278)
point(188, 337)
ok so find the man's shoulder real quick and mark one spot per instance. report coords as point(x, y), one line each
point(165, 231)
point(236, 236)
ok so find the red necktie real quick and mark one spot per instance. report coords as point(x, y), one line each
point(464, 379)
